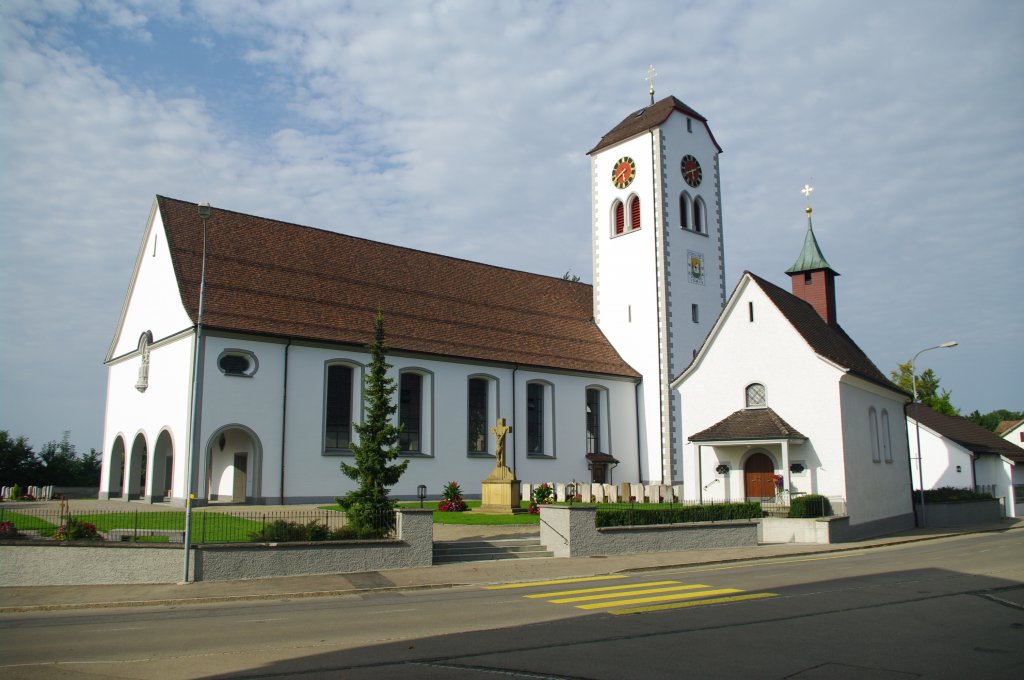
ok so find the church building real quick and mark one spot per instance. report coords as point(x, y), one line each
point(237, 367)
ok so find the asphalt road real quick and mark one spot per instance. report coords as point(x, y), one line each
point(950, 608)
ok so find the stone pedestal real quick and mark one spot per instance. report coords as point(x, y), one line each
point(500, 493)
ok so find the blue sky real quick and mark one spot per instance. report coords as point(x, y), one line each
point(461, 127)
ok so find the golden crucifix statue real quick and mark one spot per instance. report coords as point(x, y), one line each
point(500, 431)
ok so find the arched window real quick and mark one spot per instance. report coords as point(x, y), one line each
point(699, 216)
point(618, 217)
point(343, 382)
point(597, 420)
point(876, 455)
point(685, 210)
point(539, 418)
point(886, 437)
point(414, 411)
point(634, 213)
point(481, 407)
point(756, 396)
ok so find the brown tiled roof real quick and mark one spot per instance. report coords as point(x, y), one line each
point(829, 341)
point(971, 436)
point(647, 118)
point(747, 425)
point(1005, 426)
point(285, 280)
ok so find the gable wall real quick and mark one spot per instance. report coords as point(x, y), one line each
point(941, 456)
point(153, 303)
point(801, 389)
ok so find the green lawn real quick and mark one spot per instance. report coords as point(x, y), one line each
point(24, 522)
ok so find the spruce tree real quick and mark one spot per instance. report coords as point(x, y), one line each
point(370, 511)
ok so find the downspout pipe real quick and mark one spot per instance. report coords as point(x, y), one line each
point(515, 422)
point(284, 419)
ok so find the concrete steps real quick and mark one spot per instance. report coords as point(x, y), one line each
point(446, 552)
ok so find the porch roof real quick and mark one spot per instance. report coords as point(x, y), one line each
point(750, 424)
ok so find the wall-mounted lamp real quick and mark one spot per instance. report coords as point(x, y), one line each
point(421, 493)
point(797, 468)
point(958, 468)
point(722, 469)
point(222, 442)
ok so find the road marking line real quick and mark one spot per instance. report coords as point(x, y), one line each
point(531, 584)
point(698, 603)
point(599, 590)
point(628, 593)
point(659, 598)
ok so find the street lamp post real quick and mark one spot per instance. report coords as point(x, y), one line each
point(917, 419)
point(204, 213)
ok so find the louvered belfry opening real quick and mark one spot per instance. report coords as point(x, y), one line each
point(620, 217)
point(634, 213)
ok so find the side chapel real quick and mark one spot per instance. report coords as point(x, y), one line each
point(237, 366)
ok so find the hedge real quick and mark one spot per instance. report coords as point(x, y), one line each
point(949, 494)
point(810, 505)
point(624, 517)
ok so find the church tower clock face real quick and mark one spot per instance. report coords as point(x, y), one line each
point(691, 171)
point(623, 172)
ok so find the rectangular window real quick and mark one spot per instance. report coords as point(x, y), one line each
point(410, 411)
point(593, 421)
point(695, 313)
point(338, 418)
point(689, 125)
point(477, 415)
point(808, 277)
point(750, 310)
point(535, 418)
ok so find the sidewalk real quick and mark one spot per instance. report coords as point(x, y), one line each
point(43, 598)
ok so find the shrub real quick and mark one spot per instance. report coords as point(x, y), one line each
point(8, 530)
point(280, 531)
point(623, 517)
point(451, 499)
point(76, 530)
point(949, 494)
point(810, 505)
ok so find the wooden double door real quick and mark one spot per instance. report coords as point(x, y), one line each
point(759, 477)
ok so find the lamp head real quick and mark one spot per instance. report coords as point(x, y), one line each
point(204, 209)
point(951, 343)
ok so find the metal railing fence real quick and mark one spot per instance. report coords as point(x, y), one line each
point(251, 526)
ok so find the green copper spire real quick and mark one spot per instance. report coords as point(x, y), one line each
point(810, 258)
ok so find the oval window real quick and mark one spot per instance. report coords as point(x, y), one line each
point(237, 362)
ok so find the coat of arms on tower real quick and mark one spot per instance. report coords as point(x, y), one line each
point(696, 261)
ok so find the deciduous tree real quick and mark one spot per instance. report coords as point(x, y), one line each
point(928, 391)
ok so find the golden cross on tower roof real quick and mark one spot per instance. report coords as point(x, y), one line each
point(650, 78)
point(806, 191)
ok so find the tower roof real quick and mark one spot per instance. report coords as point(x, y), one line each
point(650, 117)
point(810, 258)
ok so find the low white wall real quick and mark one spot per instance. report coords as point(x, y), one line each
point(571, 532)
point(52, 563)
point(783, 530)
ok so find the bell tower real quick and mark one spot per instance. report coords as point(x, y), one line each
point(658, 259)
point(812, 278)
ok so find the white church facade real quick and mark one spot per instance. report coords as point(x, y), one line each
point(237, 365)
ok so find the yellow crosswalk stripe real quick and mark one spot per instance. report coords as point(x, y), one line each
point(628, 593)
point(697, 603)
point(532, 584)
point(660, 598)
point(599, 590)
